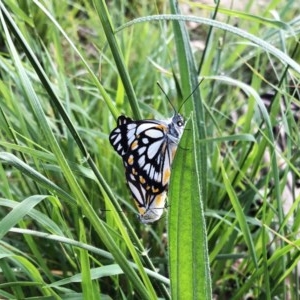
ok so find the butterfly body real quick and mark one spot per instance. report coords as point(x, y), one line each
point(147, 148)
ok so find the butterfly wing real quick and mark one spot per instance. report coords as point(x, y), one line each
point(122, 135)
point(156, 143)
point(147, 148)
point(148, 155)
point(150, 206)
point(143, 145)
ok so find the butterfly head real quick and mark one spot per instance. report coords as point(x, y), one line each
point(178, 121)
point(176, 127)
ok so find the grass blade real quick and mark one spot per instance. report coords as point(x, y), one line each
point(188, 251)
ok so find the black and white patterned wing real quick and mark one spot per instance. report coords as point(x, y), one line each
point(150, 206)
point(121, 137)
point(147, 148)
point(148, 157)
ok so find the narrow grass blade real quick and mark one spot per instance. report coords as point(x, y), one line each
point(117, 54)
point(17, 214)
point(239, 215)
point(189, 81)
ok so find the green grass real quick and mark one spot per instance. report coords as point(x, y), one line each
point(68, 226)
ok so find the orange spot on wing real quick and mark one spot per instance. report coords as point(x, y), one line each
point(142, 180)
point(141, 210)
point(162, 127)
point(160, 200)
point(155, 190)
point(130, 160)
point(166, 177)
point(134, 145)
point(174, 151)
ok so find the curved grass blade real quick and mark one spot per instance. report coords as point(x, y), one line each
point(17, 214)
point(237, 31)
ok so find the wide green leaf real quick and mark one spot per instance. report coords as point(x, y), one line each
point(188, 251)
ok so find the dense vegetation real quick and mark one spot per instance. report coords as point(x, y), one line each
point(68, 225)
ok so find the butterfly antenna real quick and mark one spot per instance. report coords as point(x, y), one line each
point(166, 96)
point(187, 98)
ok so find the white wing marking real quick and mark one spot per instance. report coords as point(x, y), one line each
point(154, 148)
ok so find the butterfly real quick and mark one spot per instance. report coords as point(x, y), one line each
point(147, 148)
